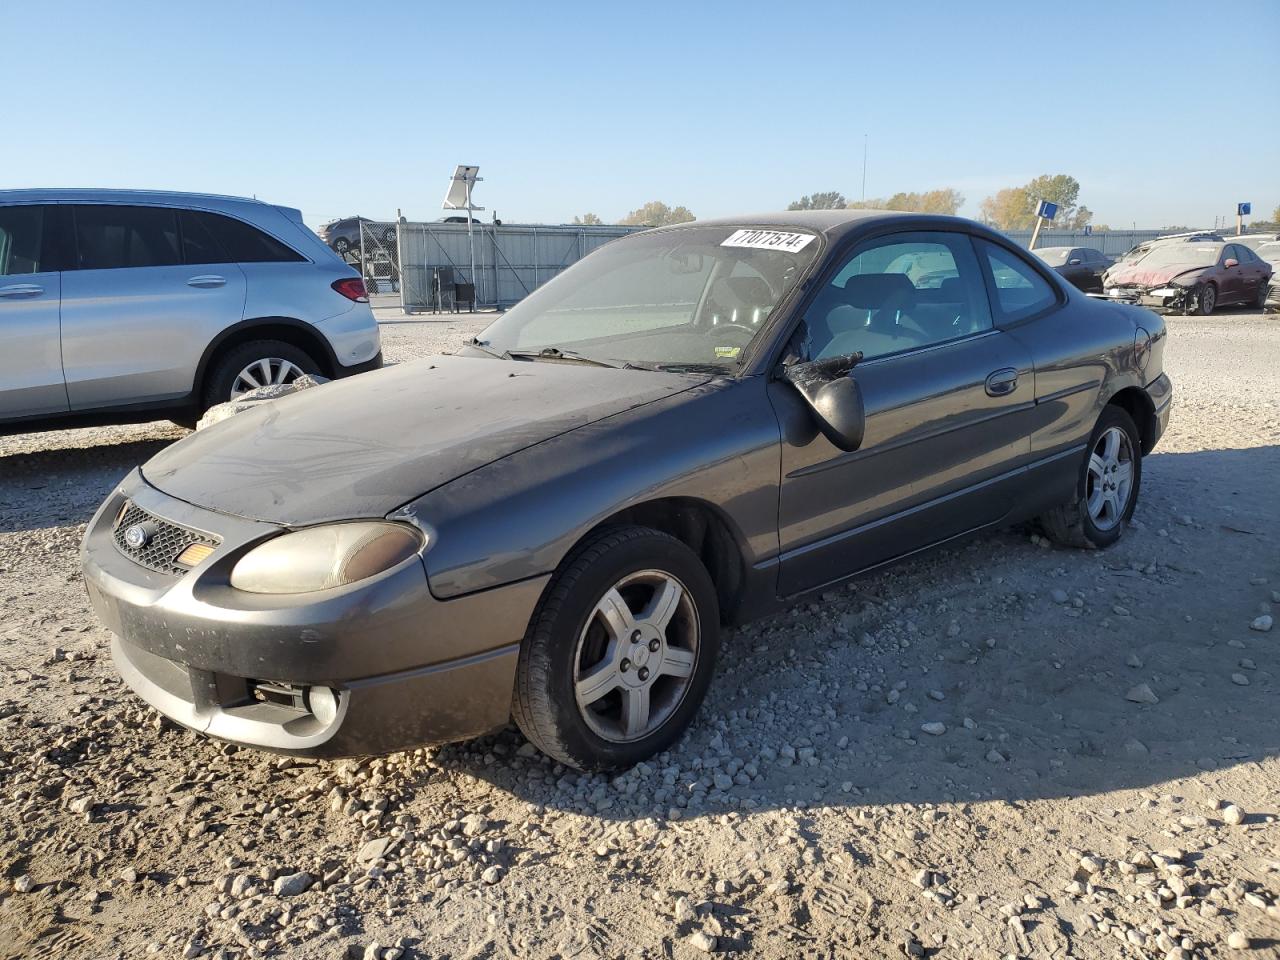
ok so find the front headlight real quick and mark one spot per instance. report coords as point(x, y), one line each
point(320, 558)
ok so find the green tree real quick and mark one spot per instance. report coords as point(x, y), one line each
point(655, 213)
point(1275, 215)
point(588, 220)
point(830, 200)
point(1014, 208)
point(946, 200)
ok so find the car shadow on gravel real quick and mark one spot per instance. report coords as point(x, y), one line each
point(64, 485)
point(1055, 673)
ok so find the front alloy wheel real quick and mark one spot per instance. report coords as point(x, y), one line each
point(636, 655)
point(620, 650)
point(1206, 299)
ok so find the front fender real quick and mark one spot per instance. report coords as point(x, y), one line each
point(519, 517)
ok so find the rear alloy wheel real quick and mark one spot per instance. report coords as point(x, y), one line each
point(1108, 487)
point(1206, 299)
point(258, 363)
point(620, 652)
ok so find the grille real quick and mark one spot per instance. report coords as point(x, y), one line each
point(167, 541)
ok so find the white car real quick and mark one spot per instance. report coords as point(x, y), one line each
point(119, 305)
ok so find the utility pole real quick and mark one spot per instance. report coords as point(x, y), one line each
point(864, 168)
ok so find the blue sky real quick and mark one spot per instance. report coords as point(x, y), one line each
point(724, 107)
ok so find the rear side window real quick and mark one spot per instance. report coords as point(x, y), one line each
point(110, 237)
point(198, 242)
point(21, 240)
point(245, 244)
point(1020, 290)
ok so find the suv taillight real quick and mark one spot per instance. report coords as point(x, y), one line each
point(352, 288)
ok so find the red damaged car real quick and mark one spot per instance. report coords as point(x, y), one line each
point(1193, 277)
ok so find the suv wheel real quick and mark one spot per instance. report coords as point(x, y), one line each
point(1108, 487)
point(620, 651)
point(258, 363)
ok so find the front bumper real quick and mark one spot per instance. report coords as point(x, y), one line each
point(375, 667)
point(1164, 297)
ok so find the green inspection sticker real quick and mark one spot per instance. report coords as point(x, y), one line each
point(728, 353)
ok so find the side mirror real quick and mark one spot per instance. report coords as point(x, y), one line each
point(1074, 262)
point(1232, 262)
point(834, 397)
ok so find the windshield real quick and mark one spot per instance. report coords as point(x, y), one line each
point(693, 296)
point(1054, 256)
point(1194, 254)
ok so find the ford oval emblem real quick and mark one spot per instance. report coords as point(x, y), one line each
point(137, 536)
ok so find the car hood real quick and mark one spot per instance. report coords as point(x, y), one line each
point(364, 446)
point(1137, 275)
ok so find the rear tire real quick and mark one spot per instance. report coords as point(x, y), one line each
point(227, 368)
point(1105, 497)
point(584, 658)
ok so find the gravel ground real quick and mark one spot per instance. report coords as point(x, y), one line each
point(999, 750)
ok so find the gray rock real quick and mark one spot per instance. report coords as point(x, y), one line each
point(491, 875)
point(995, 756)
point(23, 884)
point(1263, 624)
point(1239, 679)
point(1233, 814)
point(1142, 693)
point(1238, 941)
point(1059, 595)
point(703, 941)
point(247, 401)
point(291, 884)
point(374, 850)
point(934, 729)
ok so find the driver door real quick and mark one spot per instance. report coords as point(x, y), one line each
point(948, 398)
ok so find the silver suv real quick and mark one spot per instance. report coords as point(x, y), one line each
point(119, 305)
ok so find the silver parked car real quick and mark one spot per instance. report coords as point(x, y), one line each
point(120, 305)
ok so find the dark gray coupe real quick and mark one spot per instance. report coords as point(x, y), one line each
point(691, 427)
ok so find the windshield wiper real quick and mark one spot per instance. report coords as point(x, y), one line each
point(483, 347)
point(556, 354)
point(714, 368)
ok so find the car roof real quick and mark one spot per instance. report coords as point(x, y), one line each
point(833, 224)
point(104, 195)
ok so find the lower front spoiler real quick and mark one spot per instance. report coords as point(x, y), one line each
point(456, 700)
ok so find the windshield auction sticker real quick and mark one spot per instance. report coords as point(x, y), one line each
point(769, 240)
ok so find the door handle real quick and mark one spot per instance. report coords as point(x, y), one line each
point(1001, 383)
point(207, 280)
point(21, 290)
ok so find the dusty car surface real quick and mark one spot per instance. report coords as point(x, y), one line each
point(1270, 252)
point(692, 426)
point(1081, 266)
point(1194, 277)
point(1140, 250)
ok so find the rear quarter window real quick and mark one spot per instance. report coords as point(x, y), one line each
point(243, 243)
point(1020, 290)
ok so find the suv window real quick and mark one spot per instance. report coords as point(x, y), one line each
point(897, 293)
point(21, 239)
point(198, 242)
point(243, 243)
point(1020, 290)
point(109, 237)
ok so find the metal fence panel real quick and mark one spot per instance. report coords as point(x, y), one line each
point(1111, 242)
point(511, 261)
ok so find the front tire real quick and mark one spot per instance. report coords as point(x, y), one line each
point(1206, 299)
point(620, 651)
point(1107, 490)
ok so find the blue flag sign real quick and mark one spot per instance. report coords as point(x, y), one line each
point(1244, 209)
point(1047, 209)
